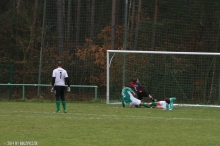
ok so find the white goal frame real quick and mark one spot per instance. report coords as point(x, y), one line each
point(149, 52)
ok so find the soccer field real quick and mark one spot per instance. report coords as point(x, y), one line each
point(98, 124)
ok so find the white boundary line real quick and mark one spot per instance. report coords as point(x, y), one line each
point(185, 105)
point(197, 105)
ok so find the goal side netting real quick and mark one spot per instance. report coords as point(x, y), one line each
point(192, 77)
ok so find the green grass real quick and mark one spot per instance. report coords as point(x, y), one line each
point(98, 124)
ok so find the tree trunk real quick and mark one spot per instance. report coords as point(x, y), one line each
point(155, 22)
point(137, 25)
point(18, 6)
point(32, 30)
point(69, 21)
point(78, 22)
point(132, 25)
point(64, 22)
point(88, 18)
point(92, 20)
point(113, 24)
point(60, 32)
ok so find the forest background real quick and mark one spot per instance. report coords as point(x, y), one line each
point(35, 34)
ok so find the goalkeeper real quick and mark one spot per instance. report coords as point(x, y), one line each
point(141, 92)
point(128, 98)
point(59, 76)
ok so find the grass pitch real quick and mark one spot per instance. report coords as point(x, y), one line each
point(98, 124)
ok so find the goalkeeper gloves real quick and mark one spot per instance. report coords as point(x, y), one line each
point(68, 89)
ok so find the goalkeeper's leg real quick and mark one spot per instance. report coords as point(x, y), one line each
point(58, 106)
point(57, 98)
point(57, 93)
point(63, 99)
point(64, 106)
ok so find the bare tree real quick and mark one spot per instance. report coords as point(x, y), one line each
point(137, 24)
point(18, 6)
point(33, 27)
point(92, 20)
point(113, 24)
point(155, 21)
point(69, 20)
point(132, 24)
point(60, 32)
point(78, 22)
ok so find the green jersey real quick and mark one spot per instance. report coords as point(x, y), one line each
point(126, 95)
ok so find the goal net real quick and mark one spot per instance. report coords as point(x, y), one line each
point(192, 77)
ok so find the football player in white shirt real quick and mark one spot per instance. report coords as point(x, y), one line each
point(59, 77)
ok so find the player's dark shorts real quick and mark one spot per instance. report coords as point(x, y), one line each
point(142, 94)
point(59, 92)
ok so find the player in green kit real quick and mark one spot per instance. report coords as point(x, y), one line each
point(167, 104)
point(128, 98)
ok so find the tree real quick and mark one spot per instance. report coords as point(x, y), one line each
point(60, 26)
point(69, 20)
point(155, 22)
point(137, 24)
point(92, 20)
point(113, 24)
point(78, 22)
point(132, 24)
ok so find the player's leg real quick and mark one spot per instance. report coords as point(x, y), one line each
point(137, 102)
point(153, 104)
point(171, 102)
point(161, 104)
point(62, 89)
point(151, 98)
point(146, 94)
point(146, 105)
point(131, 104)
point(57, 95)
point(140, 95)
point(172, 99)
point(134, 102)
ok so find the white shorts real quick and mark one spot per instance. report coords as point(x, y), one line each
point(163, 104)
point(134, 100)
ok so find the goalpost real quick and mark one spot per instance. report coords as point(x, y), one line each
point(192, 77)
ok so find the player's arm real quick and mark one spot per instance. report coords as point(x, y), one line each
point(67, 81)
point(132, 91)
point(53, 81)
point(52, 84)
point(53, 78)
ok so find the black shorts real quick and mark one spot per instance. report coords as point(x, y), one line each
point(140, 95)
point(59, 92)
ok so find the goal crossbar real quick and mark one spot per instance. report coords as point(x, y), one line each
point(164, 52)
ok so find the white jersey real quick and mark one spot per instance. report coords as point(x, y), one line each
point(60, 74)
